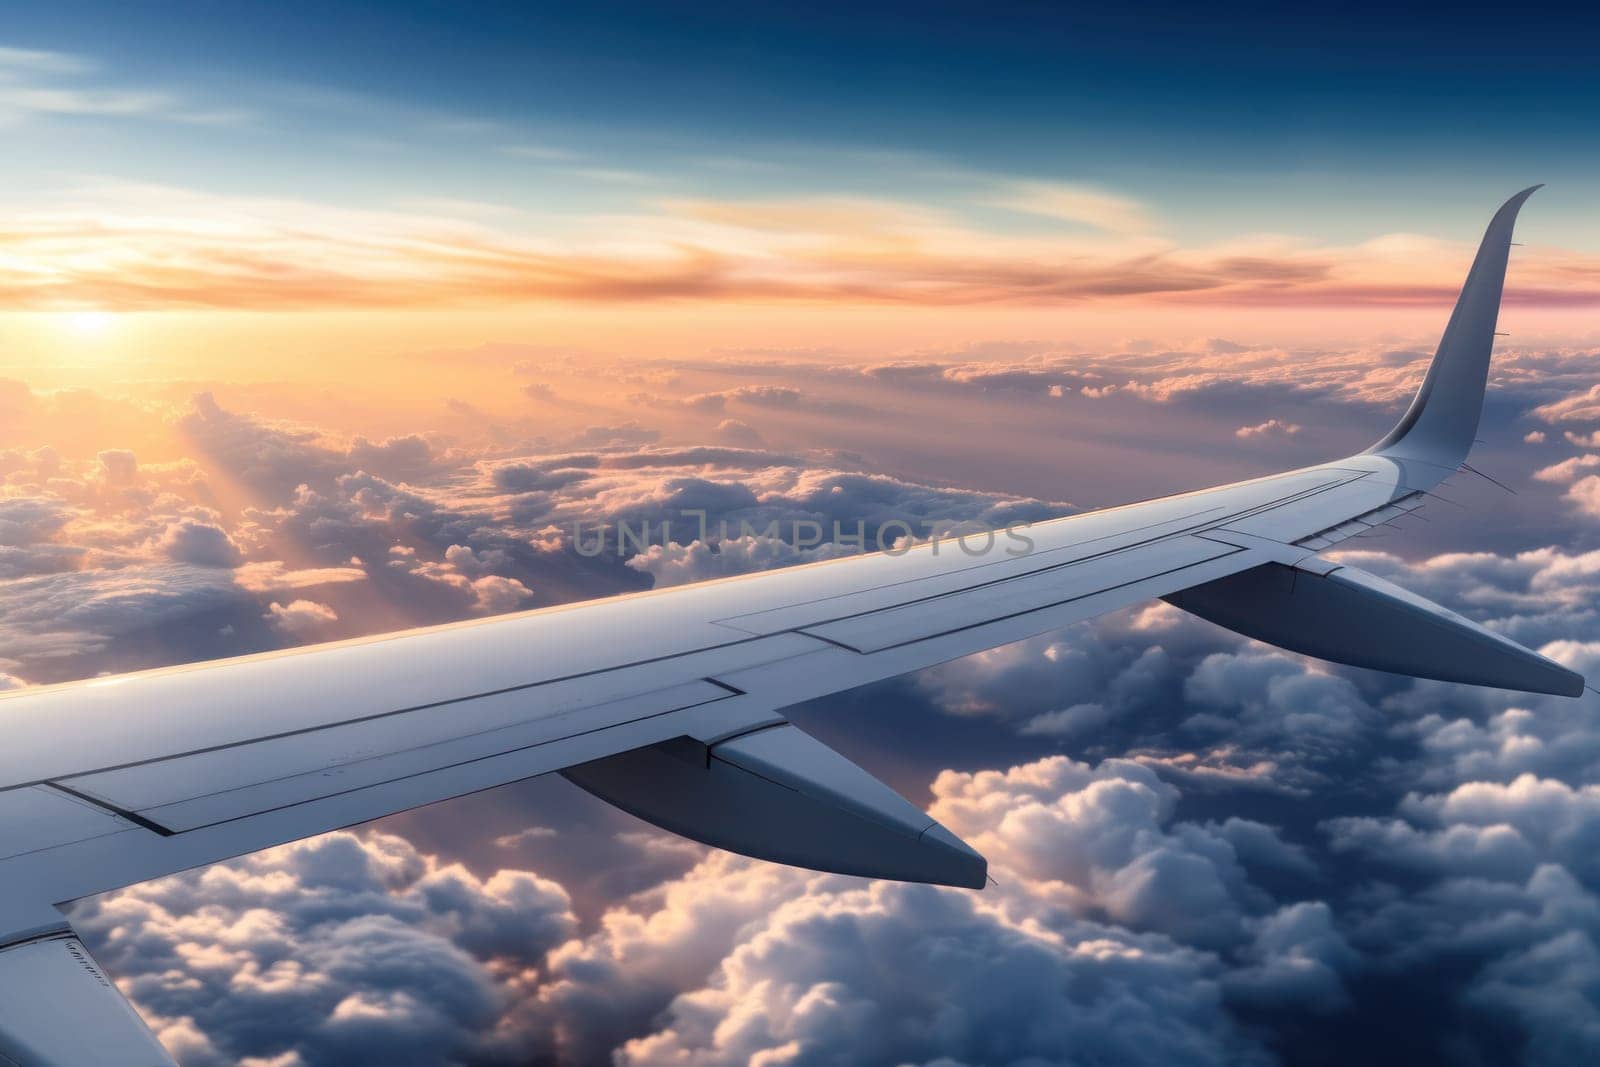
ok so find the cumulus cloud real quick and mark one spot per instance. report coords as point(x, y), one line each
point(300, 618)
point(494, 593)
point(739, 433)
point(119, 466)
point(200, 543)
point(1096, 841)
point(823, 981)
point(359, 942)
point(1585, 494)
point(1269, 429)
point(1568, 470)
point(331, 949)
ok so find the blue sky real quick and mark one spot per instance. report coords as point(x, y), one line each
point(1246, 117)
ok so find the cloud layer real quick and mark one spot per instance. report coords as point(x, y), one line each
point(1205, 850)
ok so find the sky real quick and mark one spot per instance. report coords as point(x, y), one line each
point(327, 320)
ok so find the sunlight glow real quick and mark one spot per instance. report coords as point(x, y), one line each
point(89, 323)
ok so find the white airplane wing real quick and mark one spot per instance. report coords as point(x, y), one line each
point(669, 704)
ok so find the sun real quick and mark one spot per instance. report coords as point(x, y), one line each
point(89, 323)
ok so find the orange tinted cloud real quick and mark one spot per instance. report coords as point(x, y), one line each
point(157, 249)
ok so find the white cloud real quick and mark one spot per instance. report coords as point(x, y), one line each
point(1568, 470)
point(1268, 429)
point(300, 618)
point(31, 59)
point(1074, 203)
point(335, 948)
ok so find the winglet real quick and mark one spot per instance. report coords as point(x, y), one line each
point(1442, 421)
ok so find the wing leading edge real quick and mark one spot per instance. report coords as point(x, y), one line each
point(669, 704)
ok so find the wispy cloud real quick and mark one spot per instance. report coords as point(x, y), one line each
point(1075, 203)
point(86, 101)
point(47, 84)
point(30, 59)
point(127, 247)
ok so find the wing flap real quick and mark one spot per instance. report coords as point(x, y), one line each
point(60, 1008)
point(1346, 615)
point(780, 794)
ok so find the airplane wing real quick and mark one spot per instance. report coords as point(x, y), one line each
point(669, 704)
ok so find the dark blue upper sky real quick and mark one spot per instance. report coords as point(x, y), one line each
point(1013, 82)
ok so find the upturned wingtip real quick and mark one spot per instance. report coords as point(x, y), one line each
point(1517, 199)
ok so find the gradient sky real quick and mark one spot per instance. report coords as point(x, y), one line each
point(853, 179)
point(319, 321)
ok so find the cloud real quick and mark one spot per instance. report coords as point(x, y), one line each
point(1576, 407)
point(300, 618)
point(200, 543)
point(521, 837)
point(31, 59)
point(120, 103)
point(1568, 470)
point(360, 942)
point(330, 949)
point(178, 248)
point(1094, 840)
point(1075, 203)
point(62, 625)
point(738, 433)
point(1272, 428)
point(1585, 493)
point(823, 982)
point(1298, 957)
point(802, 967)
point(494, 594)
point(36, 82)
point(272, 576)
point(119, 466)
point(1077, 719)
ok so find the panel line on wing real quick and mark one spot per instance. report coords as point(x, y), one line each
point(1206, 556)
point(786, 614)
point(446, 765)
point(183, 782)
point(390, 713)
point(121, 813)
